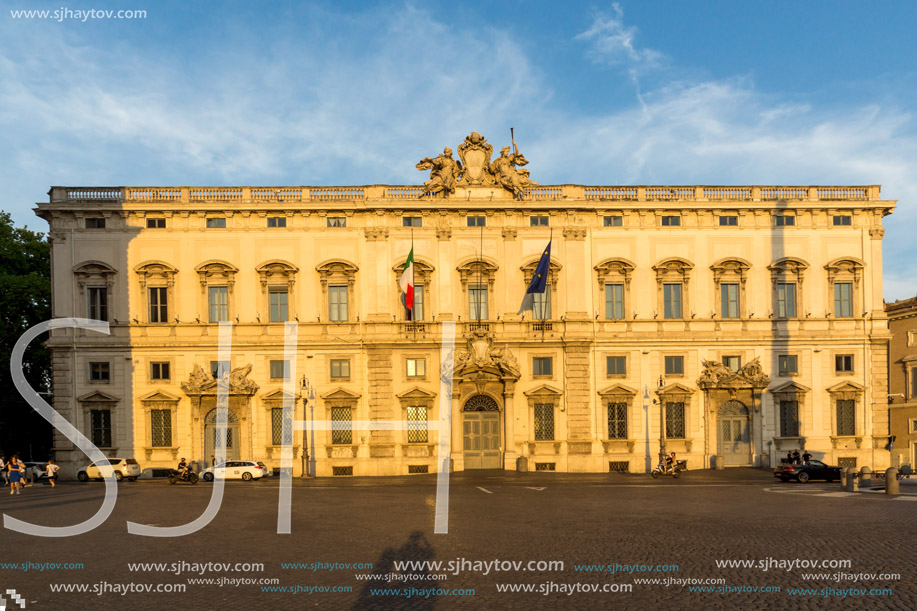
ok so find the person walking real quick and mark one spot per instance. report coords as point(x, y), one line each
point(52, 472)
point(15, 468)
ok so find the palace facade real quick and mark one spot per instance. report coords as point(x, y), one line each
point(739, 322)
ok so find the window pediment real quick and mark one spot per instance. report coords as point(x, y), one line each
point(845, 268)
point(615, 269)
point(216, 272)
point(90, 273)
point(422, 270)
point(789, 267)
point(341, 397)
point(789, 390)
point(276, 271)
point(277, 396)
point(528, 271)
point(730, 268)
point(618, 392)
point(675, 392)
point(673, 268)
point(336, 271)
point(416, 397)
point(846, 390)
point(159, 396)
point(97, 396)
point(471, 269)
point(544, 391)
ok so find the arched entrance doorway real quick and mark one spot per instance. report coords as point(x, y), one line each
point(481, 433)
point(210, 436)
point(733, 434)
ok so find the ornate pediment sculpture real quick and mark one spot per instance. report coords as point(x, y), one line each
point(718, 375)
point(483, 355)
point(444, 173)
point(201, 383)
point(475, 153)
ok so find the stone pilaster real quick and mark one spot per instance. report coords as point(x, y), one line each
point(381, 392)
point(579, 419)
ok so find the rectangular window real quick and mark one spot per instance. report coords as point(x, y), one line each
point(784, 220)
point(337, 304)
point(843, 363)
point(417, 424)
point(161, 427)
point(280, 370)
point(216, 222)
point(276, 221)
point(217, 369)
point(614, 221)
point(616, 365)
point(675, 420)
point(337, 221)
point(913, 371)
point(542, 304)
point(617, 420)
point(160, 371)
point(538, 221)
point(159, 303)
point(786, 300)
point(477, 221)
point(544, 422)
point(842, 220)
point(671, 295)
point(733, 362)
point(729, 300)
point(219, 303)
point(675, 365)
point(340, 425)
point(411, 221)
point(416, 368)
point(729, 221)
point(542, 365)
point(277, 426)
point(279, 299)
point(156, 223)
point(787, 365)
point(418, 304)
point(789, 418)
point(671, 221)
point(93, 222)
point(100, 425)
point(477, 302)
point(846, 417)
point(340, 368)
point(843, 300)
point(614, 301)
point(99, 372)
point(98, 303)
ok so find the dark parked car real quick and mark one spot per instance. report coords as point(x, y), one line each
point(802, 473)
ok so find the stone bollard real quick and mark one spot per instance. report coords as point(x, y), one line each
point(865, 477)
point(843, 477)
point(720, 464)
point(852, 480)
point(522, 464)
point(891, 481)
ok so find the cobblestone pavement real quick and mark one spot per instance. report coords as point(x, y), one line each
point(739, 514)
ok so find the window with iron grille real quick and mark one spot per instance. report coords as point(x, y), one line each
point(337, 304)
point(538, 221)
point(674, 365)
point(161, 427)
point(789, 418)
point(218, 297)
point(542, 365)
point(337, 221)
point(411, 221)
point(675, 420)
point(616, 365)
point(417, 424)
point(617, 420)
point(544, 422)
point(279, 298)
point(416, 368)
point(843, 300)
point(276, 221)
point(614, 301)
point(846, 417)
point(729, 300)
point(786, 300)
point(618, 466)
point(159, 304)
point(340, 368)
point(160, 371)
point(418, 469)
point(614, 221)
point(671, 298)
point(477, 221)
point(847, 462)
point(545, 466)
point(98, 302)
point(95, 222)
point(341, 470)
point(156, 223)
point(277, 426)
point(729, 221)
point(340, 425)
point(787, 364)
point(99, 372)
point(843, 363)
point(100, 424)
point(280, 370)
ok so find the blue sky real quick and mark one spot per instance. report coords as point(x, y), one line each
point(355, 93)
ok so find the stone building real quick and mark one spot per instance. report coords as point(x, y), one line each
point(902, 380)
point(740, 321)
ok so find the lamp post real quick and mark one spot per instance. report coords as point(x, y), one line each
point(307, 393)
point(646, 417)
point(661, 386)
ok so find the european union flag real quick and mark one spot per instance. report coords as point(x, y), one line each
point(539, 281)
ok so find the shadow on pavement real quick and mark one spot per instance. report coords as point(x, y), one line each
point(416, 549)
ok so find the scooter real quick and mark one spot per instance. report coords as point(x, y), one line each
point(674, 471)
point(176, 476)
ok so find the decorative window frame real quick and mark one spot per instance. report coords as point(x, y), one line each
point(277, 272)
point(678, 393)
point(149, 370)
point(341, 397)
point(272, 400)
point(615, 271)
point(847, 390)
point(618, 393)
point(673, 270)
point(338, 272)
point(731, 270)
point(788, 270)
point(528, 272)
point(99, 400)
point(216, 273)
point(418, 397)
point(469, 271)
point(846, 269)
point(156, 274)
point(92, 274)
point(541, 395)
point(790, 391)
point(159, 399)
point(423, 276)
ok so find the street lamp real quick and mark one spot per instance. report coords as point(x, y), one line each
point(661, 386)
point(308, 467)
point(646, 417)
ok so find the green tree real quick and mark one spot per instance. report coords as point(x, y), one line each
point(25, 300)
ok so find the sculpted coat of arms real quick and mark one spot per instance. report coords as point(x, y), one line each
point(476, 169)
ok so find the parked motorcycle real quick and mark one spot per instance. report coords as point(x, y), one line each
point(176, 476)
point(674, 471)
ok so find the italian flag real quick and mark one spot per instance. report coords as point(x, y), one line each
point(407, 284)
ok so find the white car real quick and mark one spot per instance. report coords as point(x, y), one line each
point(125, 468)
point(234, 469)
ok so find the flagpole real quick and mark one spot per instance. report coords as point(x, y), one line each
point(547, 295)
point(414, 292)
